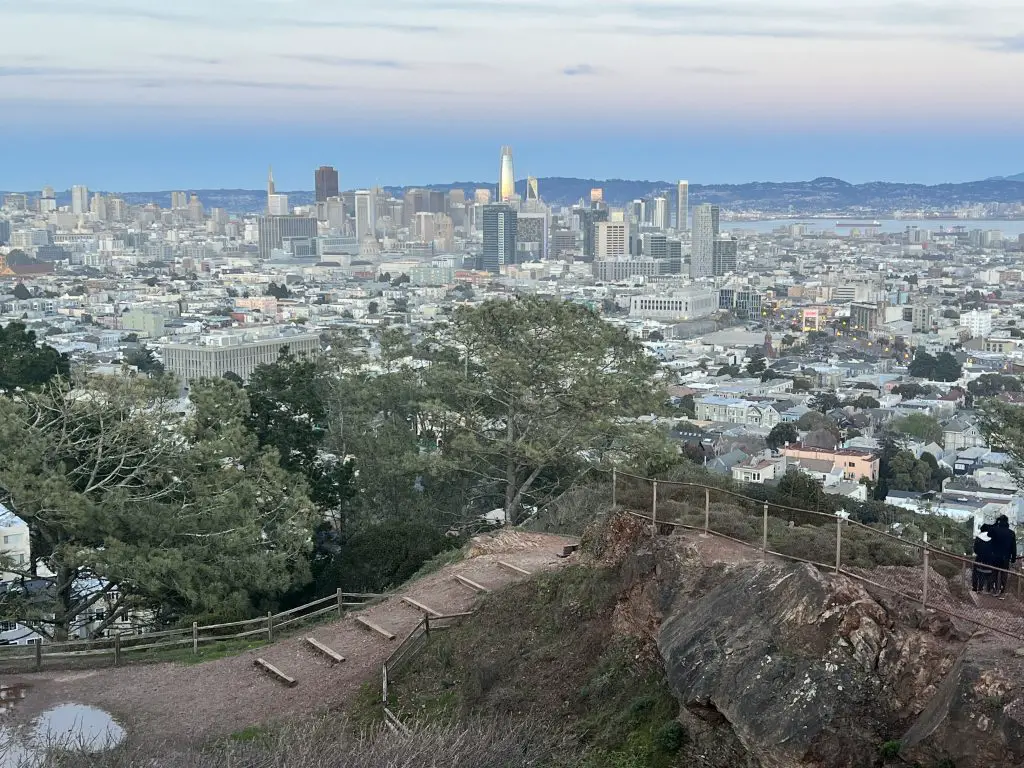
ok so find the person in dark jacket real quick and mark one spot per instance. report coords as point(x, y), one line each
point(1004, 551)
point(981, 576)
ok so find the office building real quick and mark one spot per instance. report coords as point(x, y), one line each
point(231, 353)
point(196, 212)
point(589, 219)
point(365, 214)
point(531, 236)
point(79, 200)
point(277, 205)
point(326, 183)
point(506, 177)
point(683, 206)
point(659, 213)
point(47, 200)
point(705, 235)
point(98, 207)
point(686, 304)
point(725, 256)
point(500, 224)
point(596, 195)
point(117, 209)
point(179, 201)
point(532, 190)
point(332, 210)
point(274, 230)
point(612, 240)
point(5, 232)
point(482, 196)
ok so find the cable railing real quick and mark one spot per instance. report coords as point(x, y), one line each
point(916, 571)
point(85, 652)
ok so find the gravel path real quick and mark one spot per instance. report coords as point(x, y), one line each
point(180, 703)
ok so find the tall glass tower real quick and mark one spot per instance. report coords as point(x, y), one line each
point(507, 177)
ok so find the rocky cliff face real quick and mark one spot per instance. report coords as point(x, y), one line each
point(778, 665)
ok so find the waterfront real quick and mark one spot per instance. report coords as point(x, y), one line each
point(1010, 228)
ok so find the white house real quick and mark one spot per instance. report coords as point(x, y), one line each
point(15, 547)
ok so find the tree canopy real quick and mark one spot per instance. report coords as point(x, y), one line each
point(943, 367)
point(781, 434)
point(25, 363)
point(530, 393)
point(920, 426)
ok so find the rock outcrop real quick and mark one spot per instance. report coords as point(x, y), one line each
point(790, 666)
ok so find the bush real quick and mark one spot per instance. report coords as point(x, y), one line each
point(670, 738)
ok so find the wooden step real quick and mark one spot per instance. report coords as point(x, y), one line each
point(266, 666)
point(420, 606)
point(330, 653)
point(370, 625)
point(514, 568)
point(568, 549)
point(471, 584)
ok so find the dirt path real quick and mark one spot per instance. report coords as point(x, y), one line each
point(188, 703)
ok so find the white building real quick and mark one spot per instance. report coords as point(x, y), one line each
point(680, 305)
point(611, 240)
point(15, 547)
point(978, 322)
point(213, 356)
point(277, 205)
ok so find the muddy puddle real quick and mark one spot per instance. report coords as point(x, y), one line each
point(64, 727)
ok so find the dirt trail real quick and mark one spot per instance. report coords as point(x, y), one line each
point(188, 703)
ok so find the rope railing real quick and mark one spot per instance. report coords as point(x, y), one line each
point(865, 553)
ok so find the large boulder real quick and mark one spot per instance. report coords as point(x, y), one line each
point(803, 668)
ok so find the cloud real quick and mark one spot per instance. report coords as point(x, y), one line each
point(581, 70)
point(48, 71)
point(711, 70)
point(346, 62)
point(1013, 44)
point(187, 59)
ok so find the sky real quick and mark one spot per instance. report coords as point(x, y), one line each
point(134, 95)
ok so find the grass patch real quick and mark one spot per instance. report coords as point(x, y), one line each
point(437, 562)
point(211, 651)
point(544, 650)
point(250, 733)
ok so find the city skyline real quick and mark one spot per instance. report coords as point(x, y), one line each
point(767, 90)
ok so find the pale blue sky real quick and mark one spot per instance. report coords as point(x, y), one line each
point(134, 94)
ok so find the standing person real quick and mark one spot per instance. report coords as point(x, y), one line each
point(1004, 551)
point(981, 576)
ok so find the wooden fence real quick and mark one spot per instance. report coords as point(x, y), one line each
point(764, 531)
point(35, 656)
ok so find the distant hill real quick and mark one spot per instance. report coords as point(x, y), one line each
point(1015, 177)
point(820, 195)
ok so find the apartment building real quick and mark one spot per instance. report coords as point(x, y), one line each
point(214, 356)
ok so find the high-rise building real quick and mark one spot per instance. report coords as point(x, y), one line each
point(506, 177)
point(683, 206)
point(79, 200)
point(589, 218)
point(179, 201)
point(274, 230)
point(5, 231)
point(705, 234)
point(596, 195)
point(47, 200)
point(98, 207)
point(724, 260)
point(365, 214)
point(482, 196)
point(196, 212)
point(660, 213)
point(277, 205)
point(500, 224)
point(117, 209)
point(332, 210)
point(532, 190)
point(271, 188)
point(326, 183)
point(531, 236)
point(612, 240)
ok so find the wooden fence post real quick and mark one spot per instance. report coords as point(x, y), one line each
point(426, 624)
point(839, 543)
point(341, 606)
point(195, 638)
point(270, 627)
point(924, 587)
point(707, 511)
point(764, 534)
point(384, 684)
point(39, 654)
point(654, 509)
point(614, 488)
point(117, 649)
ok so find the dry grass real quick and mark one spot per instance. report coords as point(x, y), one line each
point(328, 743)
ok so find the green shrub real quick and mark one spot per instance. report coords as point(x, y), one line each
point(670, 738)
point(890, 749)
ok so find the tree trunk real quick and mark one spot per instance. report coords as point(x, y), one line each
point(65, 600)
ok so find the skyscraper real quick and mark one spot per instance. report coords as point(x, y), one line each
point(365, 214)
point(725, 256)
point(683, 206)
point(79, 200)
point(660, 213)
point(612, 240)
point(179, 200)
point(499, 237)
point(274, 230)
point(277, 205)
point(705, 235)
point(532, 190)
point(271, 189)
point(506, 177)
point(326, 183)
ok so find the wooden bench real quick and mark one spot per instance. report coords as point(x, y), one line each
point(333, 655)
